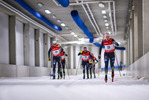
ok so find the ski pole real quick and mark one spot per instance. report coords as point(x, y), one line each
point(49, 69)
point(118, 65)
point(67, 70)
point(99, 68)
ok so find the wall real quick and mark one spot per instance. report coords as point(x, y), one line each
point(32, 46)
point(4, 40)
point(41, 51)
point(145, 26)
point(19, 43)
point(140, 68)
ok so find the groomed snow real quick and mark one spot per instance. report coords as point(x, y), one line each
point(75, 88)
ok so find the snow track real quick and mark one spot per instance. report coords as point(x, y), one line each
point(44, 88)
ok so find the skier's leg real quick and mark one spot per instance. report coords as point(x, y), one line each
point(63, 65)
point(90, 67)
point(112, 60)
point(94, 71)
point(59, 67)
point(87, 69)
point(83, 66)
point(54, 66)
point(106, 65)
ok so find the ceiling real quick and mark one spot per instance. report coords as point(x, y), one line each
point(121, 9)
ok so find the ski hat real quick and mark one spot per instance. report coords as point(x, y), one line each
point(107, 34)
point(54, 42)
point(85, 48)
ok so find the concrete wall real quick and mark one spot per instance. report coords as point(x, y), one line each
point(7, 70)
point(4, 39)
point(19, 43)
point(145, 26)
point(140, 68)
point(19, 69)
point(32, 46)
point(41, 50)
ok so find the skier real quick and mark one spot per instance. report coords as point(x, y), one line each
point(109, 54)
point(92, 65)
point(56, 49)
point(85, 61)
point(63, 54)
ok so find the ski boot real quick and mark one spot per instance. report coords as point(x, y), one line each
point(83, 76)
point(87, 76)
point(58, 76)
point(90, 76)
point(94, 76)
point(112, 76)
point(53, 76)
point(61, 75)
point(64, 75)
point(106, 79)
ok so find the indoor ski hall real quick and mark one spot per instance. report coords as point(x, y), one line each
point(74, 49)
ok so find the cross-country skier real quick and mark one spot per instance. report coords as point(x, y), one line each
point(56, 49)
point(85, 61)
point(63, 54)
point(92, 62)
point(109, 54)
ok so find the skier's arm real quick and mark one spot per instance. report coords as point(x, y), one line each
point(100, 49)
point(65, 54)
point(96, 60)
point(91, 55)
point(115, 42)
point(49, 53)
point(80, 53)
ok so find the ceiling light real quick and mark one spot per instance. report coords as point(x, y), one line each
point(67, 27)
point(72, 33)
point(101, 5)
point(54, 16)
point(40, 4)
point(107, 27)
point(103, 12)
point(106, 24)
point(106, 20)
point(59, 20)
point(62, 24)
point(75, 35)
point(104, 16)
point(48, 11)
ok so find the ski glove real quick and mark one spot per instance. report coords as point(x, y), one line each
point(49, 58)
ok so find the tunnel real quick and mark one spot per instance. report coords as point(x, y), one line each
point(74, 50)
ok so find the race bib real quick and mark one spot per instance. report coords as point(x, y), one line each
point(62, 57)
point(85, 57)
point(56, 52)
point(109, 47)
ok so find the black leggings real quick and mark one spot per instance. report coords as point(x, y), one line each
point(111, 57)
point(63, 65)
point(85, 63)
point(56, 59)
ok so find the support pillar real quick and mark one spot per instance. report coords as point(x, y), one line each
point(26, 45)
point(12, 40)
point(37, 47)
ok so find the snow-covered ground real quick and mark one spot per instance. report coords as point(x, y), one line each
point(75, 88)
